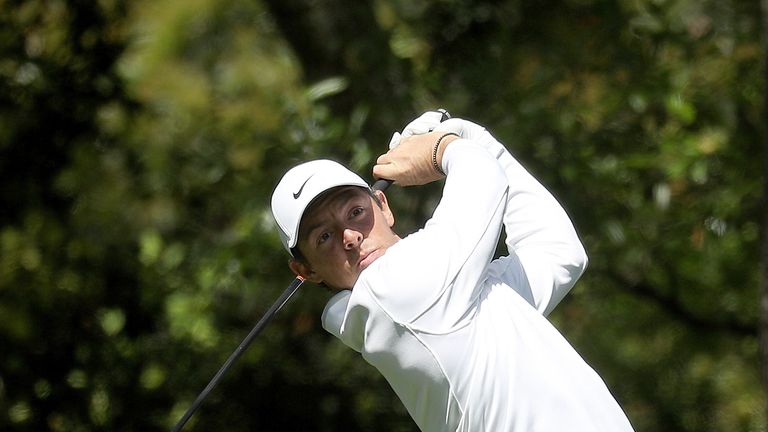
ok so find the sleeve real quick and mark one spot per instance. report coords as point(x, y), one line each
point(539, 233)
point(334, 312)
point(440, 267)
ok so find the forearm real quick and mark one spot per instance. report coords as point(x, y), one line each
point(471, 209)
point(537, 228)
point(540, 232)
point(457, 243)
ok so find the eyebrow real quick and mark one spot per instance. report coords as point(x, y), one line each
point(344, 195)
point(312, 228)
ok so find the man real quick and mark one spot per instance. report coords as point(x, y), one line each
point(461, 338)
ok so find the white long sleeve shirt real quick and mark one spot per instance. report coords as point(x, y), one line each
point(462, 339)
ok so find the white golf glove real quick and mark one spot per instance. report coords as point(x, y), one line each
point(473, 131)
point(430, 121)
point(465, 129)
point(421, 125)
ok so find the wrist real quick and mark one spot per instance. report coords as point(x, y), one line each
point(439, 148)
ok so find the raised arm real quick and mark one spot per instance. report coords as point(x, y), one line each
point(538, 230)
point(441, 265)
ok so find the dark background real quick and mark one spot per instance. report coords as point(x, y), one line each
point(140, 142)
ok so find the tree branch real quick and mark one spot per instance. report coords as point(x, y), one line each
point(340, 38)
point(675, 307)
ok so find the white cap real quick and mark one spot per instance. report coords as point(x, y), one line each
point(299, 186)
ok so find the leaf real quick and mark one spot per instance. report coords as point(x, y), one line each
point(325, 88)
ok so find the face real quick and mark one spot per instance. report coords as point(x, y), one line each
point(342, 234)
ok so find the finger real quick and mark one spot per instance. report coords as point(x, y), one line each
point(385, 171)
point(405, 140)
point(384, 159)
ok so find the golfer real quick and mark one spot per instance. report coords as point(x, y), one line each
point(461, 338)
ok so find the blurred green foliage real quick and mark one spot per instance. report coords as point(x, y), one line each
point(140, 142)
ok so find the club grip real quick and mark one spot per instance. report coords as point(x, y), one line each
point(383, 184)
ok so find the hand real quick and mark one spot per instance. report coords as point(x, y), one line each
point(463, 128)
point(430, 121)
point(410, 163)
point(472, 131)
point(421, 125)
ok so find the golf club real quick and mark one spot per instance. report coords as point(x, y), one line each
point(268, 315)
point(381, 185)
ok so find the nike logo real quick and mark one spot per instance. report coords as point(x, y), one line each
point(297, 194)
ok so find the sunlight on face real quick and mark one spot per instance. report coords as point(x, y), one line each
point(343, 233)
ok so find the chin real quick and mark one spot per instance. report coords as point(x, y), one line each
point(340, 286)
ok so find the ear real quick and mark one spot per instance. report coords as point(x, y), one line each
point(388, 215)
point(300, 268)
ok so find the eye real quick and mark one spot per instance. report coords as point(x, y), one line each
point(357, 211)
point(322, 238)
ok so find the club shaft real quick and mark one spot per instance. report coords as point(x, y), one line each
point(284, 297)
point(381, 184)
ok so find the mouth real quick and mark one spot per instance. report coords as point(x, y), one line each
point(367, 259)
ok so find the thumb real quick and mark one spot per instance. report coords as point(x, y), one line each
point(384, 171)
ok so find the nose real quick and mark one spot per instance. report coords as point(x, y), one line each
point(352, 239)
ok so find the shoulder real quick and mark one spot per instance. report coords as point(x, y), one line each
point(409, 276)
